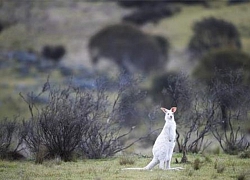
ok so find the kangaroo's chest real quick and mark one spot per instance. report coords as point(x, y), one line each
point(166, 136)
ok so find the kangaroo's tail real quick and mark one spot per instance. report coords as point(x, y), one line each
point(150, 166)
point(140, 169)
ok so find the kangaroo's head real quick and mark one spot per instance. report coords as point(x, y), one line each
point(169, 114)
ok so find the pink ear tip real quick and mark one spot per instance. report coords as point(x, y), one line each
point(173, 109)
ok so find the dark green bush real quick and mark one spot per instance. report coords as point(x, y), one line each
point(54, 53)
point(130, 48)
point(218, 64)
point(212, 33)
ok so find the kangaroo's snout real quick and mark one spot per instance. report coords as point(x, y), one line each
point(169, 116)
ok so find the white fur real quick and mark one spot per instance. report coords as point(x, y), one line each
point(164, 144)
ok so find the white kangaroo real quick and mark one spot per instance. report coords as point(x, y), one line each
point(164, 144)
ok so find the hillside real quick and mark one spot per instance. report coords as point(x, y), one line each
point(73, 23)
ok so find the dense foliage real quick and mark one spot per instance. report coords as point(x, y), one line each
point(212, 33)
point(217, 64)
point(130, 48)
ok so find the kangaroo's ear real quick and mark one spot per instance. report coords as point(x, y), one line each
point(173, 109)
point(164, 109)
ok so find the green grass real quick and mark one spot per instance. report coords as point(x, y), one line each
point(110, 169)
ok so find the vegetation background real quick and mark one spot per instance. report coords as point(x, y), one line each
point(30, 28)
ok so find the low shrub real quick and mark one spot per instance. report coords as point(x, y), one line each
point(10, 139)
point(220, 169)
point(243, 176)
point(76, 120)
point(53, 52)
point(245, 154)
point(124, 160)
point(197, 164)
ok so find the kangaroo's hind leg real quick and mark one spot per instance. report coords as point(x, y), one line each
point(168, 161)
point(162, 164)
point(169, 154)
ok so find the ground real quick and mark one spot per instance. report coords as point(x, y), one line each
point(218, 166)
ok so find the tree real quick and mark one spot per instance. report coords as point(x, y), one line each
point(219, 70)
point(131, 49)
point(212, 33)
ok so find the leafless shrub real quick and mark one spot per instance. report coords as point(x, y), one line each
point(192, 103)
point(234, 96)
point(74, 120)
point(199, 121)
point(201, 113)
point(233, 140)
point(104, 136)
point(10, 140)
point(60, 124)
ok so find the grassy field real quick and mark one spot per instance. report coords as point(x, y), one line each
point(179, 27)
point(11, 84)
point(210, 167)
